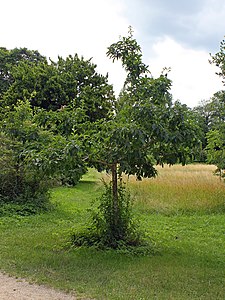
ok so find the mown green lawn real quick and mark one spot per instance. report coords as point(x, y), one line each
point(185, 258)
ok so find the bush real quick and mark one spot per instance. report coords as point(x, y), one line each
point(19, 184)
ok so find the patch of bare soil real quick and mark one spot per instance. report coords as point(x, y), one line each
point(19, 289)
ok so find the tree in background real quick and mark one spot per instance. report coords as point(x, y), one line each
point(63, 94)
point(219, 60)
point(30, 157)
point(212, 111)
point(70, 82)
point(43, 105)
point(216, 149)
point(210, 114)
point(11, 58)
point(216, 135)
point(20, 183)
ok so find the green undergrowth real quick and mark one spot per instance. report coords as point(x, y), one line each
point(182, 258)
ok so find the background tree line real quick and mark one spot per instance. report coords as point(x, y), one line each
point(212, 116)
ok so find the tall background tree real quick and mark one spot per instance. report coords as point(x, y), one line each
point(219, 60)
point(216, 135)
point(43, 106)
point(52, 85)
point(62, 95)
point(11, 58)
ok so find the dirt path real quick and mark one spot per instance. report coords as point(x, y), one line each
point(19, 289)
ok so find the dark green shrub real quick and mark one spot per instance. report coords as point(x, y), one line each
point(22, 189)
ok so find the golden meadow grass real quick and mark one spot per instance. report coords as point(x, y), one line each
point(179, 188)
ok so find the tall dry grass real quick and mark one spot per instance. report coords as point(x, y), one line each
point(180, 188)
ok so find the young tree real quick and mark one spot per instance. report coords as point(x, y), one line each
point(146, 107)
point(147, 128)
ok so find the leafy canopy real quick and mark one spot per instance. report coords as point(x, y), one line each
point(219, 60)
point(72, 82)
point(216, 136)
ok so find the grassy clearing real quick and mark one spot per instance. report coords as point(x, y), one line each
point(192, 188)
point(182, 213)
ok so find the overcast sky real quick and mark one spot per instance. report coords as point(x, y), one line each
point(172, 33)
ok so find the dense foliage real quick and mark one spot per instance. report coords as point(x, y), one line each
point(72, 82)
point(59, 118)
point(9, 59)
point(219, 60)
point(20, 183)
point(216, 134)
point(43, 106)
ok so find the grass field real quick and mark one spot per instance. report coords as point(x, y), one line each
point(182, 212)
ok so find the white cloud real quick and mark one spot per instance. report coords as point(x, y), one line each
point(56, 27)
point(193, 77)
point(87, 27)
point(59, 27)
